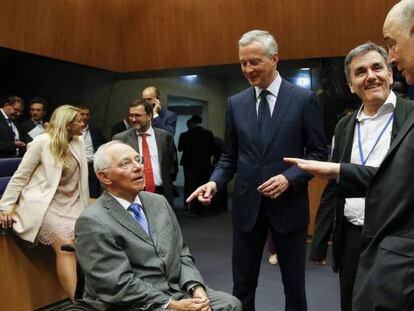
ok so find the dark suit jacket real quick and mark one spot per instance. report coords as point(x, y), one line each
point(124, 268)
point(166, 155)
point(344, 136)
point(7, 146)
point(296, 131)
point(97, 137)
point(118, 128)
point(197, 145)
point(28, 125)
point(386, 265)
point(166, 120)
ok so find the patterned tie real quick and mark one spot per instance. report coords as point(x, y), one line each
point(148, 173)
point(139, 216)
point(263, 116)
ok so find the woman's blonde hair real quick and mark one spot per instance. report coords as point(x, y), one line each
point(61, 118)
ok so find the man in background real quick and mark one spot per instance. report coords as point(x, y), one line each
point(93, 138)
point(13, 139)
point(197, 146)
point(155, 145)
point(36, 124)
point(162, 117)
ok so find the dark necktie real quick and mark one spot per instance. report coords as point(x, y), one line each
point(135, 208)
point(263, 115)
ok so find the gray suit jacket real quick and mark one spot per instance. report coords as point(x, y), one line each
point(124, 268)
point(166, 155)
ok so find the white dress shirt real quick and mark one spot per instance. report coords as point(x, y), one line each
point(88, 144)
point(273, 88)
point(371, 127)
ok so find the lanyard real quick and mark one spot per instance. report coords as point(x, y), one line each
point(361, 154)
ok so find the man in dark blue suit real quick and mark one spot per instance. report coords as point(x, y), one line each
point(163, 118)
point(265, 122)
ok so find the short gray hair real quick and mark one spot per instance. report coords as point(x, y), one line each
point(361, 50)
point(101, 159)
point(266, 40)
point(403, 13)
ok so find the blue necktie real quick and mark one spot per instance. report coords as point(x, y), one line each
point(135, 208)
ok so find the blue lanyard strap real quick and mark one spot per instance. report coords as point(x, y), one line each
point(361, 154)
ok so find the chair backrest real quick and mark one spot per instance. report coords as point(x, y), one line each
point(7, 168)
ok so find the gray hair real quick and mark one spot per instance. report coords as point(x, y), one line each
point(101, 159)
point(266, 40)
point(361, 50)
point(403, 13)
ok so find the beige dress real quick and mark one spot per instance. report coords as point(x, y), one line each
point(65, 208)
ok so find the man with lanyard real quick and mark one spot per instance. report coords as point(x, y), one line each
point(364, 138)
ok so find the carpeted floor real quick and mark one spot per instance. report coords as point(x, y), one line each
point(209, 239)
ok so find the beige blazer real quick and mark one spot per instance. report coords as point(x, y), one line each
point(34, 184)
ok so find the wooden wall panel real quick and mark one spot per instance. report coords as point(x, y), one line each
point(139, 35)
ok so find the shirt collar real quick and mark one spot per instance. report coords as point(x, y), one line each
point(273, 88)
point(149, 132)
point(389, 105)
point(125, 204)
point(4, 114)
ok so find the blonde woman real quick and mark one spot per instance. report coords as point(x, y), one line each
point(51, 189)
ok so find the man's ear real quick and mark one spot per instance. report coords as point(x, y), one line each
point(103, 178)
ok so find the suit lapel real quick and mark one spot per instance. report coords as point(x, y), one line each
point(74, 148)
point(132, 139)
point(405, 128)
point(159, 141)
point(348, 138)
point(123, 217)
point(250, 116)
point(281, 108)
point(151, 214)
point(400, 115)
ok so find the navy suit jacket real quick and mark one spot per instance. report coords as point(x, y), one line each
point(166, 120)
point(296, 131)
point(97, 137)
point(7, 145)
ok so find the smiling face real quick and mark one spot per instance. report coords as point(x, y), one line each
point(139, 118)
point(370, 78)
point(75, 127)
point(125, 176)
point(258, 68)
point(400, 44)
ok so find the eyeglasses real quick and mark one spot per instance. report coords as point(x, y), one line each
point(129, 163)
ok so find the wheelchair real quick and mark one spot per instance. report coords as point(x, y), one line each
point(78, 304)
